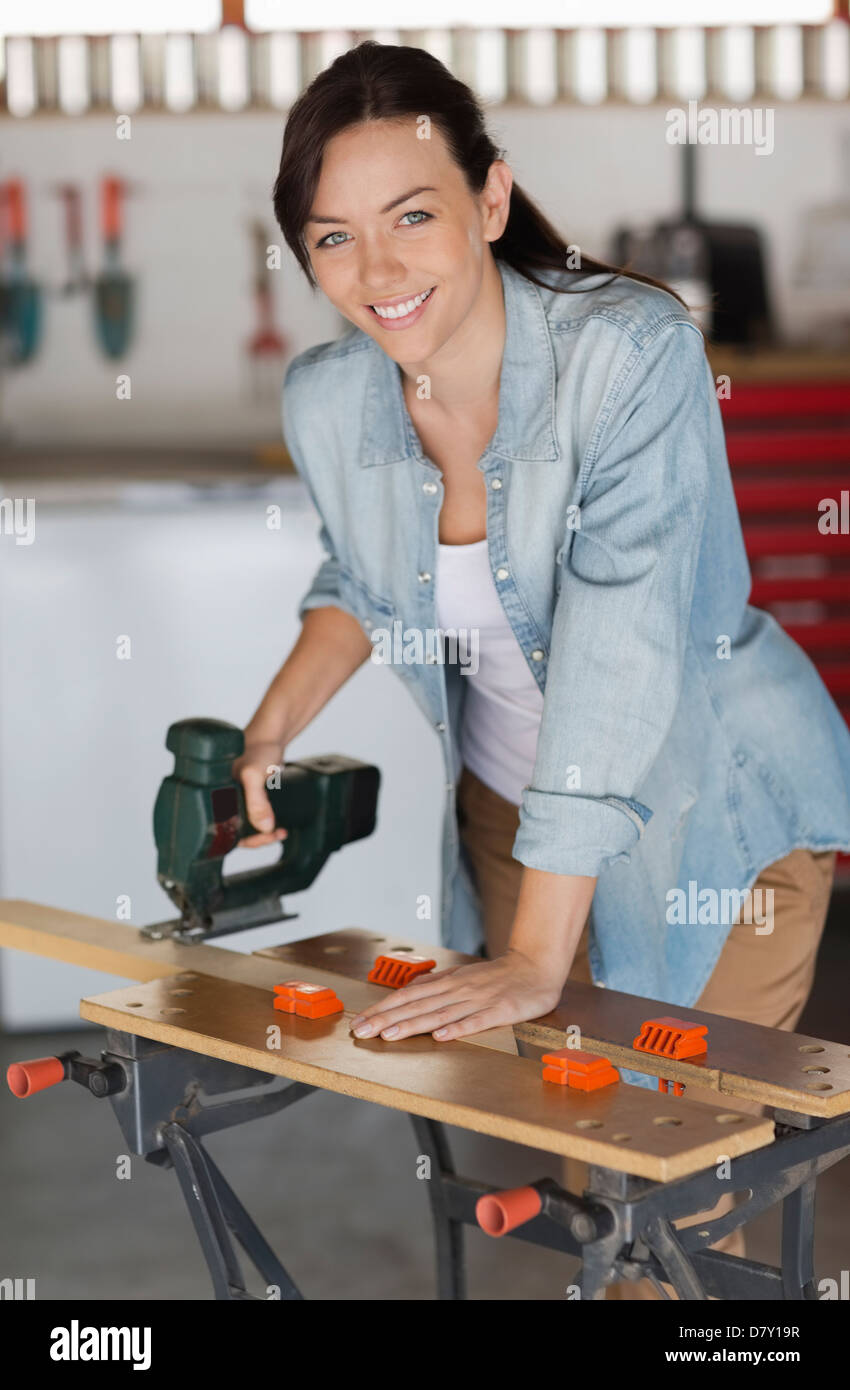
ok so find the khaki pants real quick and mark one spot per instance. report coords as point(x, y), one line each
point(762, 979)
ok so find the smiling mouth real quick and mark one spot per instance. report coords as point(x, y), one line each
point(404, 309)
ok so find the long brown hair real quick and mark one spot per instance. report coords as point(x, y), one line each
point(380, 81)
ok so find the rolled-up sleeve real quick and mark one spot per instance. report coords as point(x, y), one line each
point(324, 586)
point(621, 619)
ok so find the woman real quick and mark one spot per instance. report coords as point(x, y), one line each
point(511, 443)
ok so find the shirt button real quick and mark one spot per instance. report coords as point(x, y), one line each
point(424, 576)
point(502, 573)
point(450, 786)
point(367, 622)
point(429, 487)
point(496, 483)
point(430, 658)
point(537, 655)
point(440, 727)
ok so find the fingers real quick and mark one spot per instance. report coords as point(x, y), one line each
point(399, 998)
point(472, 1023)
point(257, 804)
point(254, 841)
point(401, 1024)
point(258, 808)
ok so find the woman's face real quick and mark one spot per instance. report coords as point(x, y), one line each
point(393, 220)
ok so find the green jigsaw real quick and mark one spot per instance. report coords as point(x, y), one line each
point(199, 817)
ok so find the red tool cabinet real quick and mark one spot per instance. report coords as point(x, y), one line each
point(788, 441)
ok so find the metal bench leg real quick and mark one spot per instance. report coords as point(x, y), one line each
point(214, 1207)
point(798, 1234)
point(448, 1233)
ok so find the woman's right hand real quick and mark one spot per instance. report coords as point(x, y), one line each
point(256, 764)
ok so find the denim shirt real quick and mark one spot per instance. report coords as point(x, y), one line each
point(686, 742)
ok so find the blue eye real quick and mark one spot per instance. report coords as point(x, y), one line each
point(326, 240)
point(416, 212)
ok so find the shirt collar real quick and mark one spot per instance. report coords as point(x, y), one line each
point(526, 425)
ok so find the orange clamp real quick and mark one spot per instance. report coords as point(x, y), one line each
point(678, 1086)
point(306, 1000)
point(397, 968)
point(585, 1071)
point(672, 1037)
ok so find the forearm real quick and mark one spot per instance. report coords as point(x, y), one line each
point(330, 648)
point(550, 916)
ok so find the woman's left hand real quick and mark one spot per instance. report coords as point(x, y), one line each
point(464, 999)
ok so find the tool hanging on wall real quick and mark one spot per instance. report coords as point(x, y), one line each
point(114, 292)
point(266, 347)
point(21, 299)
point(78, 279)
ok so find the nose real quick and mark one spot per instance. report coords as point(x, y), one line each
point(381, 271)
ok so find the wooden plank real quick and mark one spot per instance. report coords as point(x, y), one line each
point(622, 1126)
point(119, 949)
point(789, 1070)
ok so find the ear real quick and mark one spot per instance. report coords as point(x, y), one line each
point(495, 200)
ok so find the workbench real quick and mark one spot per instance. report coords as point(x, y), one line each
point(198, 1021)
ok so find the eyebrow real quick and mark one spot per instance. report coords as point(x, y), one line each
point(426, 188)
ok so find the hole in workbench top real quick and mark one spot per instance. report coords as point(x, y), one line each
point(588, 1124)
point(818, 1086)
point(174, 992)
point(401, 948)
point(172, 1011)
point(621, 1138)
point(728, 1119)
point(135, 1006)
point(334, 950)
point(811, 1047)
point(666, 1120)
point(822, 1070)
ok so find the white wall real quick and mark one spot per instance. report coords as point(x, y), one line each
point(208, 596)
point(199, 179)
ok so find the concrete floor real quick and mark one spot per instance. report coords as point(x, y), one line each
point(331, 1182)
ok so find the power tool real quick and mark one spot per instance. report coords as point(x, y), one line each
point(199, 817)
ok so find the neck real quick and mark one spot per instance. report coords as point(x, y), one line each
point(465, 372)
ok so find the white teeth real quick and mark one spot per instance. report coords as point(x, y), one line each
point(400, 311)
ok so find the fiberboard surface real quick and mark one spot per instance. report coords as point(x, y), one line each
point(622, 1126)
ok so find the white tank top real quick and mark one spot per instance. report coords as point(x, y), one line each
point(501, 719)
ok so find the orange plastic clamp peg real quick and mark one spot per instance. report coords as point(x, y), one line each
point(585, 1071)
point(678, 1086)
point(306, 1000)
point(672, 1037)
point(501, 1212)
point(397, 968)
point(25, 1078)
